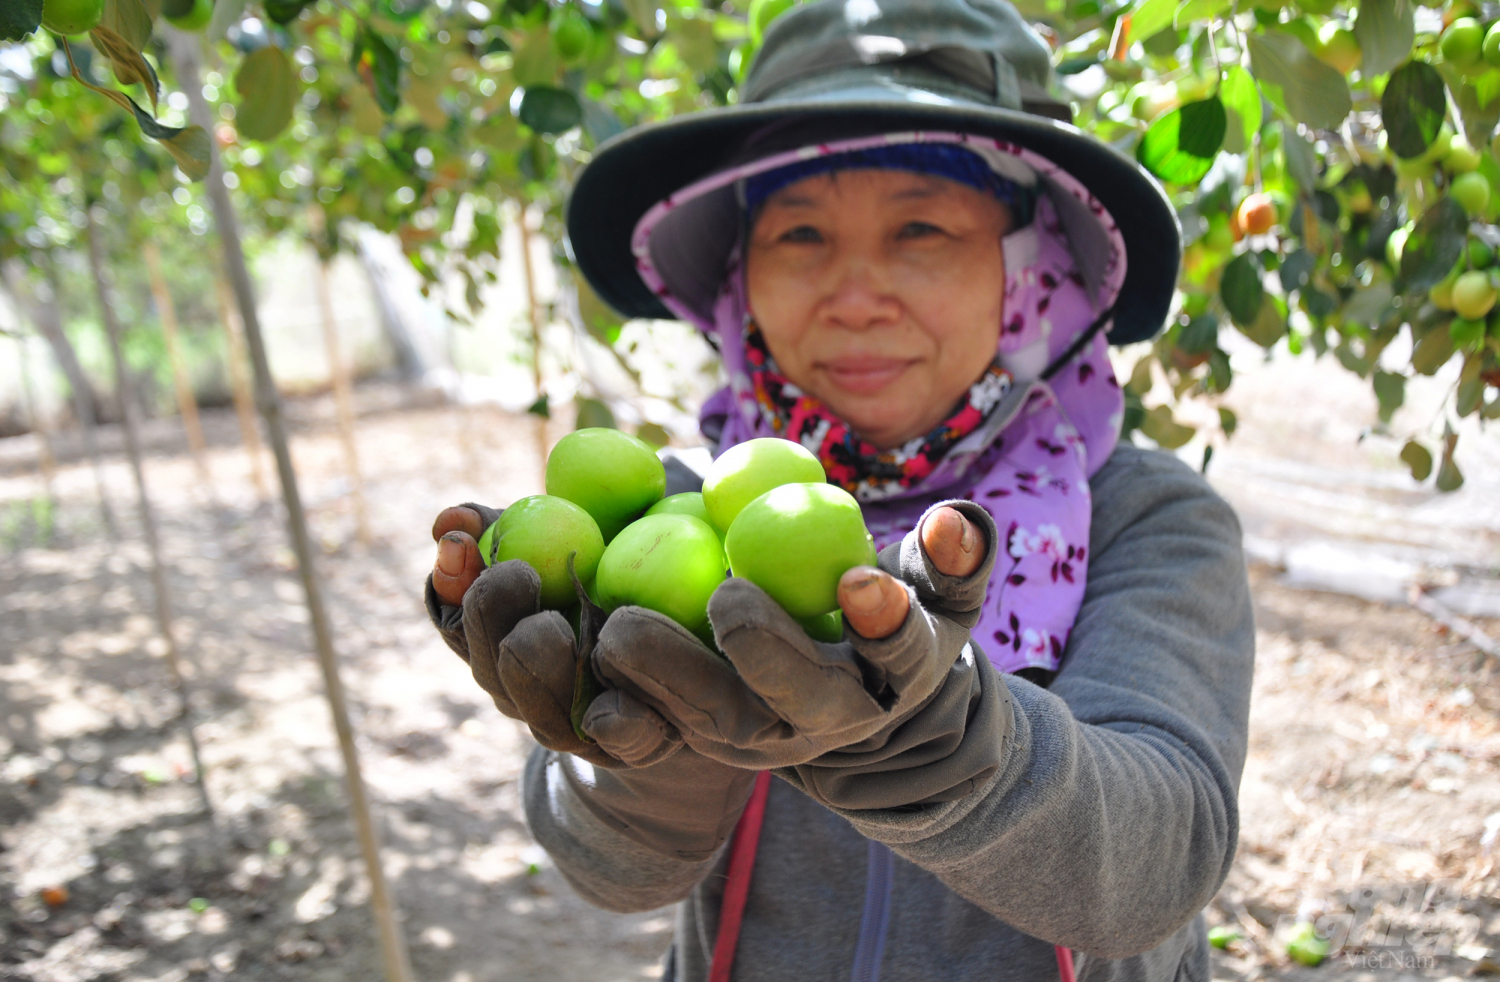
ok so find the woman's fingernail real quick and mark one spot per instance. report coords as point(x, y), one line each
point(450, 559)
point(865, 596)
point(966, 537)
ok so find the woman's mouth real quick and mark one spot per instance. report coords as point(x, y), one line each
point(864, 375)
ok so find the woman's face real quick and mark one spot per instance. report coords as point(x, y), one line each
point(879, 292)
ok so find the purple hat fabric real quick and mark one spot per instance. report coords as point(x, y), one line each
point(1029, 463)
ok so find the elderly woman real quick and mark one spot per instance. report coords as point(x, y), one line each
point(1021, 760)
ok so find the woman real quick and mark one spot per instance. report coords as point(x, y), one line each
point(1022, 759)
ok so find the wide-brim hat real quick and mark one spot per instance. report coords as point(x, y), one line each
point(837, 70)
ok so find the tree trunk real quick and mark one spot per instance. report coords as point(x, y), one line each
point(187, 58)
point(47, 316)
point(239, 384)
point(187, 403)
point(148, 516)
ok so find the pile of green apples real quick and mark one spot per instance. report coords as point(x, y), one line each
point(766, 513)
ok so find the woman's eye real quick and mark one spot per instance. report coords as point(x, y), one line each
point(918, 230)
point(802, 234)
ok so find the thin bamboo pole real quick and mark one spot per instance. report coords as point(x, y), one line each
point(148, 515)
point(343, 398)
point(534, 312)
point(239, 385)
point(187, 404)
point(187, 58)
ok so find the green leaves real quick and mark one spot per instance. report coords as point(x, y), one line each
point(268, 94)
point(1159, 425)
point(549, 110)
point(19, 18)
point(380, 67)
point(1385, 32)
point(1242, 108)
point(1412, 107)
point(1241, 288)
point(1390, 392)
point(1435, 244)
point(1151, 16)
point(1313, 93)
point(1180, 147)
point(1417, 459)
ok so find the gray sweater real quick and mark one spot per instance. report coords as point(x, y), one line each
point(1110, 824)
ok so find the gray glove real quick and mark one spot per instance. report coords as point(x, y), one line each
point(636, 775)
point(912, 718)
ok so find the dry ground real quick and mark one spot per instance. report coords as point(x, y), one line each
point(1375, 752)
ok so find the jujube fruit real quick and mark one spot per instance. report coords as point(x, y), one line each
point(686, 503)
point(1462, 41)
point(611, 475)
point(795, 541)
point(1472, 191)
point(667, 563)
point(69, 17)
point(1257, 214)
point(543, 530)
point(747, 470)
point(1473, 295)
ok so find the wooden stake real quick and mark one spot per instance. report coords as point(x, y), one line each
point(187, 57)
point(343, 397)
point(148, 515)
point(239, 385)
point(187, 403)
point(534, 310)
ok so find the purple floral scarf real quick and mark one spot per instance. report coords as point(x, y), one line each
point(1029, 460)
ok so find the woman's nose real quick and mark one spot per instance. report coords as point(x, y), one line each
point(860, 297)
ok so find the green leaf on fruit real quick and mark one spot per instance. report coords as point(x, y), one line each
point(1385, 30)
point(1241, 288)
point(1180, 147)
point(1412, 107)
point(1242, 106)
point(267, 85)
point(549, 110)
point(1435, 244)
point(19, 18)
point(1314, 93)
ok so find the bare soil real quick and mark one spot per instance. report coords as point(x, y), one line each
point(1375, 755)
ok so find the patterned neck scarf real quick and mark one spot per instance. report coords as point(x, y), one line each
point(854, 464)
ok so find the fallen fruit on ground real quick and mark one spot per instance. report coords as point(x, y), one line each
point(54, 896)
point(543, 530)
point(795, 541)
point(667, 563)
point(748, 470)
point(1223, 936)
point(611, 475)
point(1306, 946)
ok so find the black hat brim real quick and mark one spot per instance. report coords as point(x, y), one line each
point(633, 171)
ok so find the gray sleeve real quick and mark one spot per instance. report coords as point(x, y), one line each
point(606, 867)
point(1112, 819)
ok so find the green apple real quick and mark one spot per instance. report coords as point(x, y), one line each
point(1462, 42)
point(1473, 295)
point(667, 563)
point(611, 475)
point(795, 541)
point(748, 470)
point(1472, 190)
point(544, 530)
point(71, 16)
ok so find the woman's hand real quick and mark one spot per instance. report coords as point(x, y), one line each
point(526, 658)
point(782, 699)
point(875, 603)
point(456, 532)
